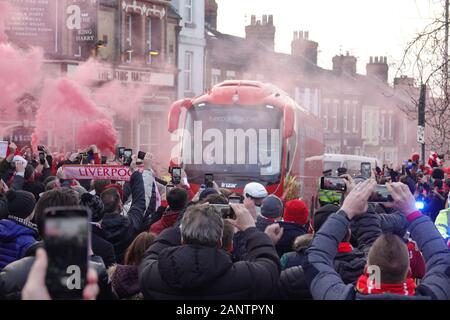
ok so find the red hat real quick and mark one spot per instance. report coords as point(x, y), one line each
point(296, 211)
point(117, 187)
point(415, 157)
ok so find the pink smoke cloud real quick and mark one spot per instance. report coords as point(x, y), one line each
point(100, 133)
point(20, 71)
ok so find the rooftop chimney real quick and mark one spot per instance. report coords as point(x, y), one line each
point(378, 68)
point(211, 13)
point(301, 46)
point(344, 64)
point(261, 31)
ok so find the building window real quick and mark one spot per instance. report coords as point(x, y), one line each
point(335, 117)
point(390, 126)
point(365, 124)
point(382, 125)
point(215, 77)
point(325, 111)
point(307, 99)
point(354, 125)
point(189, 15)
point(128, 40)
point(149, 40)
point(188, 57)
point(346, 116)
point(231, 75)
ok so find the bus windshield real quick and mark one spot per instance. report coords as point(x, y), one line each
point(232, 142)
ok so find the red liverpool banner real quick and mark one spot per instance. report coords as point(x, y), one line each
point(97, 172)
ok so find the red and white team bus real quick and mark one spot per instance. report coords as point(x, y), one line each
point(243, 131)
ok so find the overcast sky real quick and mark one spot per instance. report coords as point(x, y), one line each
point(362, 27)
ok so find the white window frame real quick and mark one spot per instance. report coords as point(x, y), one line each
point(335, 116)
point(325, 111)
point(383, 123)
point(231, 75)
point(188, 62)
point(390, 115)
point(189, 4)
point(128, 40)
point(215, 76)
point(355, 113)
point(346, 116)
point(365, 124)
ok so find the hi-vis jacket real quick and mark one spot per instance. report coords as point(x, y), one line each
point(442, 223)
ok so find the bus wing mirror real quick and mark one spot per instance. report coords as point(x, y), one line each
point(175, 112)
point(289, 120)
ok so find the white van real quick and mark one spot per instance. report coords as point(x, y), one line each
point(349, 161)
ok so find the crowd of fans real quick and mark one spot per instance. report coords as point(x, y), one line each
point(147, 243)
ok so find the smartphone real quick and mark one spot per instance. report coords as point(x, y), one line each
point(120, 152)
point(66, 240)
point(380, 194)
point(209, 178)
point(141, 155)
point(40, 147)
point(3, 186)
point(366, 170)
point(104, 159)
point(176, 175)
point(42, 156)
point(234, 199)
point(333, 184)
point(226, 212)
point(127, 153)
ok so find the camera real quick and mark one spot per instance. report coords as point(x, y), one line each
point(381, 194)
point(225, 210)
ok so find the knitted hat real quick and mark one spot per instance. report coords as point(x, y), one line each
point(272, 207)
point(20, 203)
point(296, 211)
point(94, 203)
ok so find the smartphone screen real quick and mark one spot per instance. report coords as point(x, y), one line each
point(127, 153)
point(141, 155)
point(66, 240)
point(333, 183)
point(366, 170)
point(176, 175)
point(41, 156)
point(234, 199)
point(120, 151)
point(209, 178)
point(380, 194)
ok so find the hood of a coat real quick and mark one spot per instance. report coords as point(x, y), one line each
point(192, 266)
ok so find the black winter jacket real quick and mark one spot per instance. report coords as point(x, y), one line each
point(183, 272)
point(120, 230)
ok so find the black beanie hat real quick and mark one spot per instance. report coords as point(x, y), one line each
point(438, 173)
point(20, 203)
point(322, 214)
point(94, 203)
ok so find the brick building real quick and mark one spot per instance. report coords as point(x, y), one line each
point(138, 39)
point(360, 113)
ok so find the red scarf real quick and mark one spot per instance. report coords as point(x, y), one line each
point(344, 247)
point(407, 288)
